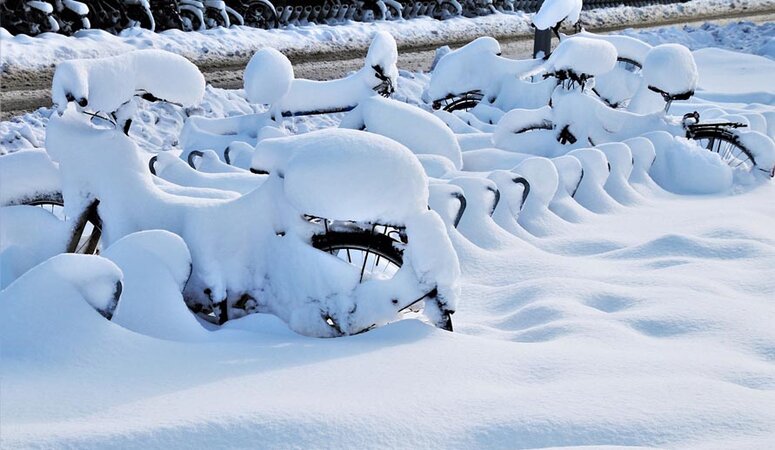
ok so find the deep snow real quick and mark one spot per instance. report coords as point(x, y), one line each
point(646, 325)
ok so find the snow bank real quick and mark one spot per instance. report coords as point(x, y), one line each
point(643, 156)
point(485, 159)
point(761, 146)
point(570, 173)
point(240, 42)
point(552, 12)
point(733, 77)
point(420, 131)
point(209, 162)
point(527, 131)
point(205, 133)
point(105, 84)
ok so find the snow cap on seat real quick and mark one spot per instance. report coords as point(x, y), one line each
point(583, 55)
point(268, 76)
point(670, 68)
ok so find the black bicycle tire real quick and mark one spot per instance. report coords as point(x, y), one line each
point(90, 215)
point(377, 243)
point(724, 135)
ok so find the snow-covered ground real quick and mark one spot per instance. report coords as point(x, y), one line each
point(649, 325)
point(26, 53)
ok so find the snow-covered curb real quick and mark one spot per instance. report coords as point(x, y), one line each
point(232, 46)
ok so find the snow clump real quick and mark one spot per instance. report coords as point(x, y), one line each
point(268, 76)
point(106, 84)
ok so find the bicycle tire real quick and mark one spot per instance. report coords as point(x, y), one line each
point(87, 231)
point(190, 21)
point(382, 245)
point(259, 14)
point(727, 145)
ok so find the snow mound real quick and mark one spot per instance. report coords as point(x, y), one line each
point(620, 162)
point(347, 175)
point(553, 12)
point(475, 66)
point(267, 77)
point(671, 69)
point(156, 265)
point(761, 147)
point(28, 236)
point(105, 84)
point(62, 297)
point(28, 175)
point(683, 167)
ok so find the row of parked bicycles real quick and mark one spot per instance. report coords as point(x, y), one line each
point(340, 230)
point(32, 17)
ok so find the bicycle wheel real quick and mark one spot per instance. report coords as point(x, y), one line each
point(88, 228)
point(70, 22)
point(727, 145)
point(260, 14)
point(190, 21)
point(446, 10)
point(378, 254)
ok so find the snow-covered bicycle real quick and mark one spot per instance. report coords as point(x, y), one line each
point(576, 117)
point(319, 242)
point(570, 108)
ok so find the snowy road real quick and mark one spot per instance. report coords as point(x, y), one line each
point(24, 91)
